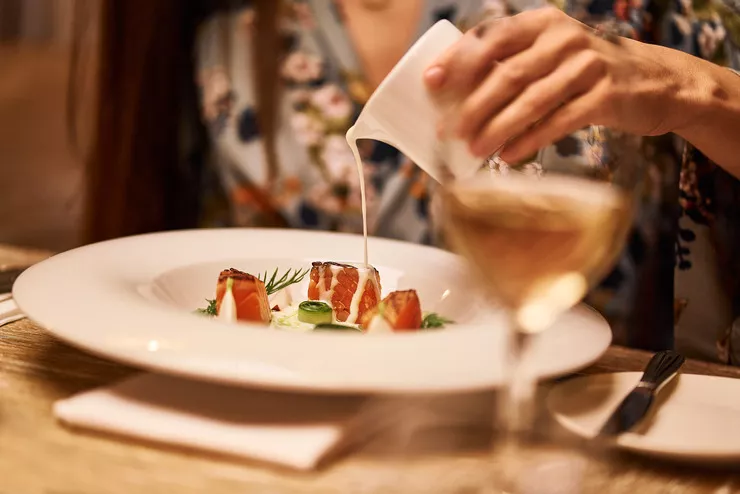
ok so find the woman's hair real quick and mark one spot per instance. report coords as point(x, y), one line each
point(141, 175)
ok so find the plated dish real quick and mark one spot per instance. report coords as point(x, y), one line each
point(340, 297)
point(133, 300)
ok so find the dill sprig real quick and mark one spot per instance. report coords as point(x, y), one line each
point(434, 321)
point(210, 309)
point(275, 284)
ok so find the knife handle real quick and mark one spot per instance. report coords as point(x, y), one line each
point(661, 368)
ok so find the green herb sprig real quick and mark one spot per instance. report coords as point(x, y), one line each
point(336, 327)
point(434, 321)
point(210, 309)
point(275, 284)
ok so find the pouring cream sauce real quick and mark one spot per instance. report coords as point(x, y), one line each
point(352, 138)
point(288, 316)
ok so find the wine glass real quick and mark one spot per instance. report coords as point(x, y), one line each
point(538, 235)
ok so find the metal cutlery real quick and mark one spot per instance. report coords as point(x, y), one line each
point(661, 369)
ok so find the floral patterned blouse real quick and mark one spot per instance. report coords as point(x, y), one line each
point(683, 257)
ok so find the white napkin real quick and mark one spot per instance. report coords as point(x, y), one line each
point(292, 430)
point(9, 311)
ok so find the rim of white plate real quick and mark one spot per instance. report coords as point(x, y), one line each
point(90, 297)
point(693, 393)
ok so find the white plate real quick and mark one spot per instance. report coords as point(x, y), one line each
point(697, 417)
point(132, 299)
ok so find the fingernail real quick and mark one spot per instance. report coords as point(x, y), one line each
point(435, 76)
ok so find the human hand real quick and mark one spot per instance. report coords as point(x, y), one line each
point(526, 81)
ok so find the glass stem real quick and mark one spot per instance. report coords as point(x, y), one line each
point(516, 411)
point(518, 400)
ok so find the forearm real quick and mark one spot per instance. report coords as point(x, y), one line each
point(710, 114)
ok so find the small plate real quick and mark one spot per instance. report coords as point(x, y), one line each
point(132, 300)
point(697, 418)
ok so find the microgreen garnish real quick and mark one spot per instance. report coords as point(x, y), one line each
point(433, 320)
point(275, 284)
point(336, 327)
point(210, 309)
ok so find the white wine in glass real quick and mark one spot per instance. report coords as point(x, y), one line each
point(536, 242)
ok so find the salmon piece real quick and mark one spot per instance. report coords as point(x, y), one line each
point(336, 284)
point(401, 309)
point(250, 296)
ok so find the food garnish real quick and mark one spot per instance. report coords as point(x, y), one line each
point(434, 321)
point(341, 297)
point(275, 284)
point(210, 309)
point(314, 312)
point(336, 327)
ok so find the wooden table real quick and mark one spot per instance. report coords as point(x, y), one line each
point(37, 455)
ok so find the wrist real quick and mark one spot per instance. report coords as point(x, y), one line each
point(706, 92)
point(665, 92)
point(706, 111)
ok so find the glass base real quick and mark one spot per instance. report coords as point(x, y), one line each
point(527, 464)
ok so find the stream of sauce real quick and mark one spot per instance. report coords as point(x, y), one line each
point(352, 138)
point(288, 316)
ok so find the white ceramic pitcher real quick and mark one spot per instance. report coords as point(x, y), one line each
point(401, 112)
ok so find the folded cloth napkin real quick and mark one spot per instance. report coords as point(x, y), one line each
point(299, 431)
point(9, 311)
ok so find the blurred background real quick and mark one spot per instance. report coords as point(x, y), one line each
point(154, 165)
point(41, 156)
